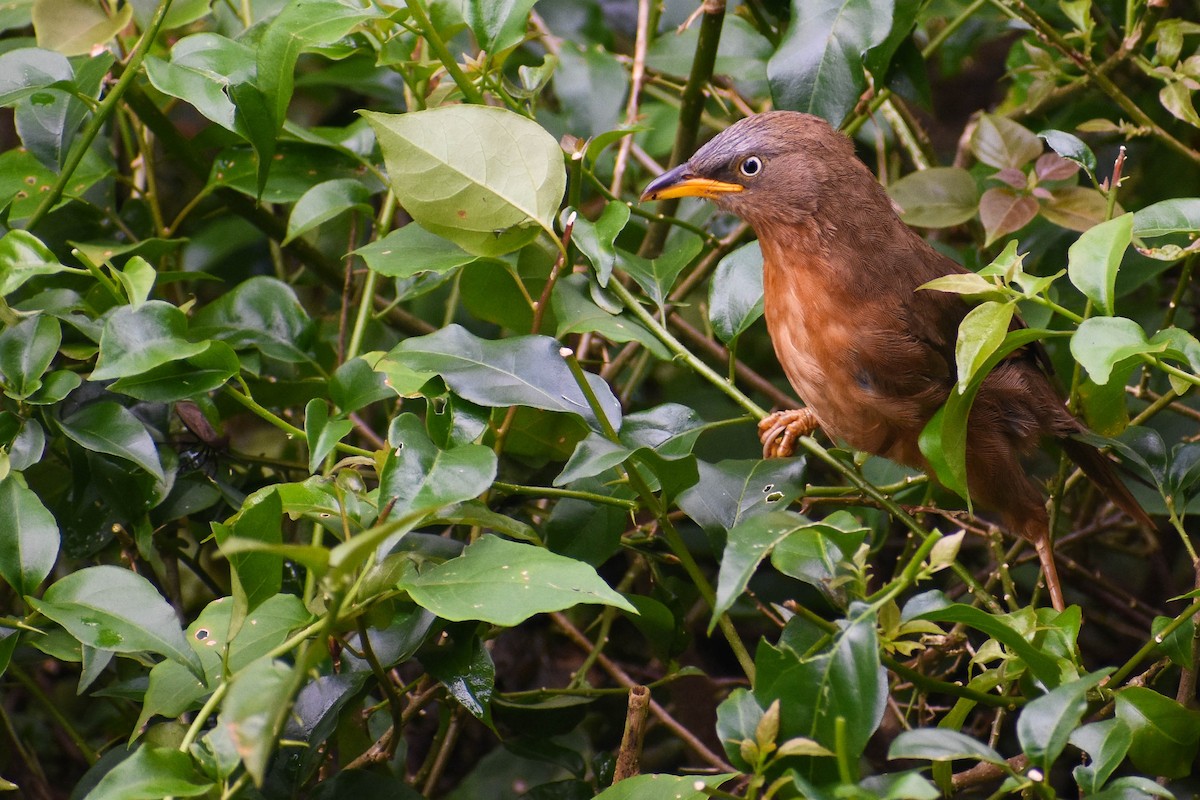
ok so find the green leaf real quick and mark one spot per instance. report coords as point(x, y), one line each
point(1100, 343)
point(980, 333)
point(417, 475)
point(522, 371)
point(576, 313)
point(735, 294)
point(505, 583)
point(1106, 744)
point(152, 773)
point(597, 240)
point(939, 197)
point(173, 689)
point(1043, 666)
point(136, 341)
point(256, 577)
point(999, 142)
point(137, 279)
point(1178, 215)
point(942, 744)
point(23, 256)
point(1072, 148)
point(657, 787)
point(26, 351)
point(181, 12)
point(261, 313)
point(1046, 722)
point(322, 433)
point(25, 70)
point(201, 71)
point(74, 27)
point(484, 178)
point(813, 553)
point(656, 276)
point(28, 536)
point(730, 491)
point(355, 385)
point(498, 24)
point(1076, 208)
point(818, 67)
point(844, 680)
point(180, 380)
point(110, 608)
point(1094, 258)
point(323, 202)
point(668, 432)
point(467, 671)
point(1165, 734)
point(412, 250)
point(106, 427)
point(254, 711)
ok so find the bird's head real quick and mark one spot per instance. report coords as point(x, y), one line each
point(779, 167)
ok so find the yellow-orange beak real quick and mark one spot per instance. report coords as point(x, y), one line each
point(681, 182)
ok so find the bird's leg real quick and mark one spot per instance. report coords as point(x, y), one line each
point(779, 431)
point(1045, 553)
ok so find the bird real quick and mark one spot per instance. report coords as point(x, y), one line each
point(870, 352)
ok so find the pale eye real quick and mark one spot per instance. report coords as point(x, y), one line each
point(750, 166)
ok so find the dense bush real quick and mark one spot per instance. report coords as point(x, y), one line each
point(362, 435)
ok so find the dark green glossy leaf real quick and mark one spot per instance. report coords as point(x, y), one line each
point(591, 84)
point(738, 717)
point(747, 544)
point(505, 583)
point(26, 350)
point(735, 295)
point(136, 340)
point(419, 475)
point(322, 433)
point(1106, 744)
point(1046, 722)
point(577, 313)
point(23, 256)
point(110, 608)
point(812, 554)
point(730, 491)
point(525, 370)
point(818, 66)
point(261, 313)
point(466, 669)
point(254, 711)
point(355, 385)
point(1073, 148)
point(106, 427)
point(152, 773)
point(668, 431)
point(25, 70)
point(1165, 734)
point(202, 68)
point(179, 380)
point(28, 536)
point(656, 276)
point(498, 24)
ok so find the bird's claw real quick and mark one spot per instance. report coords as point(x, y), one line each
point(779, 431)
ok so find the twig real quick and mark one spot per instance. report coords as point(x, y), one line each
point(637, 74)
point(630, 754)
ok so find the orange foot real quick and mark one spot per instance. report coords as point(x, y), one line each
point(779, 431)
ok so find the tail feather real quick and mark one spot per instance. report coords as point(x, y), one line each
point(1099, 467)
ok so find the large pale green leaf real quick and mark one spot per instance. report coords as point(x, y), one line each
point(939, 744)
point(936, 198)
point(28, 536)
point(522, 371)
point(23, 256)
point(110, 428)
point(74, 27)
point(1095, 257)
point(818, 66)
point(484, 178)
point(1178, 215)
point(412, 250)
point(1100, 343)
point(138, 340)
point(735, 294)
point(152, 773)
point(110, 608)
point(505, 583)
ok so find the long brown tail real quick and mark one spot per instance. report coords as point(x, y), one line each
point(1097, 466)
